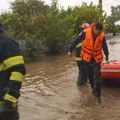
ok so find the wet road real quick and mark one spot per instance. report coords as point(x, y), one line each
point(50, 93)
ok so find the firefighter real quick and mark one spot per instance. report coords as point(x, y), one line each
point(76, 44)
point(12, 71)
point(93, 43)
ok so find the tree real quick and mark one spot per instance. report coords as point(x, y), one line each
point(27, 21)
point(115, 12)
point(47, 28)
point(110, 20)
point(60, 29)
point(30, 20)
point(90, 13)
point(110, 25)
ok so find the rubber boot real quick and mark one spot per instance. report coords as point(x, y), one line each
point(97, 96)
point(7, 113)
point(80, 80)
point(98, 100)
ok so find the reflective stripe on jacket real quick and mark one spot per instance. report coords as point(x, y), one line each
point(78, 50)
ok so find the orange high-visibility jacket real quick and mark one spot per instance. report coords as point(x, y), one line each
point(91, 48)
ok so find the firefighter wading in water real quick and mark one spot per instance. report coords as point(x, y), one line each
point(77, 45)
point(93, 43)
point(12, 71)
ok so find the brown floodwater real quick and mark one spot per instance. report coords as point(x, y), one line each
point(50, 92)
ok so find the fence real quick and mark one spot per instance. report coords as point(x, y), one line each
point(32, 49)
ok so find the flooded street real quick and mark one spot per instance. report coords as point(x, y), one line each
point(50, 92)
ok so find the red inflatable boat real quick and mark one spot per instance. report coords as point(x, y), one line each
point(110, 70)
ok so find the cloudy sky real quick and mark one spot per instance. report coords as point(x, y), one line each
point(5, 4)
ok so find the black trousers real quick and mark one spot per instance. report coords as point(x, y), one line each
point(82, 74)
point(93, 74)
point(6, 114)
point(10, 114)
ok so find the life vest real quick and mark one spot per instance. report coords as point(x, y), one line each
point(91, 48)
point(78, 46)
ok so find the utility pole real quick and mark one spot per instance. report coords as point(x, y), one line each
point(100, 4)
point(101, 10)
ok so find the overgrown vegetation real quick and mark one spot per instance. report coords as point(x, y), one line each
point(43, 29)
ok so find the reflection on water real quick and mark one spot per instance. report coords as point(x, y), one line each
point(50, 93)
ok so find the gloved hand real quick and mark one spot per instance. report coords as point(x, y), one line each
point(7, 112)
point(107, 58)
point(70, 54)
point(8, 106)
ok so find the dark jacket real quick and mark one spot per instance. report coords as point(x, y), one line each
point(76, 42)
point(12, 67)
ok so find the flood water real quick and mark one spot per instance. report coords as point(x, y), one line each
point(50, 92)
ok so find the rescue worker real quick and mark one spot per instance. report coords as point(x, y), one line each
point(76, 44)
point(93, 42)
point(12, 71)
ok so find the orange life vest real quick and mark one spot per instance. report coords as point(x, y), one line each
point(91, 48)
